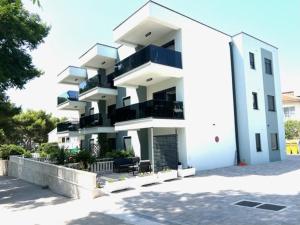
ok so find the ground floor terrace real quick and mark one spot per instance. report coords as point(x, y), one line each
point(207, 198)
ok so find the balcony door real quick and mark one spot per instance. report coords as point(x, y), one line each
point(165, 95)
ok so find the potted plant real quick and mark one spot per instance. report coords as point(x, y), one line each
point(167, 174)
point(186, 172)
point(146, 178)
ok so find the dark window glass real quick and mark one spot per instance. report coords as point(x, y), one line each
point(252, 60)
point(165, 95)
point(63, 140)
point(268, 66)
point(92, 111)
point(127, 143)
point(271, 103)
point(258, 144)
point(274, 141)
point(255, 103)
point(126, 101)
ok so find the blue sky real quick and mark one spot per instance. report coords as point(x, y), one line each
point(77, 25)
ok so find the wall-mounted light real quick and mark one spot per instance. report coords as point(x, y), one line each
point(75, 106)
point(76, 80)
point(103, 96)
point(148, 34)
point(149, 79)
point(103, 62)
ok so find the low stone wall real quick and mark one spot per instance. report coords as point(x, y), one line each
point(3, 167)
point(65, 181)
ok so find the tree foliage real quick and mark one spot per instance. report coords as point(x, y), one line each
point(33, 127)
point(292, 129)
point(20, 32)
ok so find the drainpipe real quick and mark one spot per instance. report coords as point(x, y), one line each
point(234, 105)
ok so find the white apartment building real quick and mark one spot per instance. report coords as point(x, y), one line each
point(177, 90)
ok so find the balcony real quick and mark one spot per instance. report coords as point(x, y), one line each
point(68, 126)
point(96, 88)
point(148, 66)
point(69, 101)
point(96, 123)
point(72, 75)
point(152, 113)
point(99, 56)
point(147, 25)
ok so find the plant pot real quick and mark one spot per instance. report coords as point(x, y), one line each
point(146, 179)
point(167, 175)
point(186, 172)
point(116, 186)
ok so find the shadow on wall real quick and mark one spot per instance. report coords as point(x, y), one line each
point(291, 163)
point(20, 195)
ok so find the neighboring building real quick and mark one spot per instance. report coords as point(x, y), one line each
point(177, 90)
point(291, 105)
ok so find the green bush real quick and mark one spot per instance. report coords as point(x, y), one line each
point(48, 148)
point(85, 157)
point(27, 154)
point(120, 154)
point(7, 150)
point(43, 154)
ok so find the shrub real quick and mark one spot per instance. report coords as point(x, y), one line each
point(120, 154)
point(58, 155)
point(43, 154)
point(85, 157)
point(7, 150)
point(48, 148)
point(27, 154)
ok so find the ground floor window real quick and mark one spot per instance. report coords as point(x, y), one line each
point(258, 143)
point(274, 141)
point(127, 143)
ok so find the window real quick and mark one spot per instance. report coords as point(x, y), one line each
point(92, 110)
point(252, 60)
point(274, 141)
point(258, 144)
point(67, 139)
point(127, 143)
point(268, 66)
point(126, 101)
point(165, 95)
point(255, 103)
point(271, 103)
point(289, 111)
point(63, 140)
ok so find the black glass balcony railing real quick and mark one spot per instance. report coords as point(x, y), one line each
point(95, 120)
point(96, 82)
point(68, 96)
point(68, 126)
point(150, 53)
point(153, 108)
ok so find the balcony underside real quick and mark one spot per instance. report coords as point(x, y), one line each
point(72, 75)
point(134, 30)
point(96, 130)
point(147, 74)
point(98, 93)
point(68, 134)
point(71, 105)
point(149, 122)
point(99, 56)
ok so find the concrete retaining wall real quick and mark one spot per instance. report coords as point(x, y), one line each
point(65, 181)
point(3, 167)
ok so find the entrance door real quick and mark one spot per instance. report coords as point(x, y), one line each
point(165, 152)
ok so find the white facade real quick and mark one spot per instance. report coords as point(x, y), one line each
point(214, 68)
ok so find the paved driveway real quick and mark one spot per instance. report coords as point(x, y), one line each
point(205, 199)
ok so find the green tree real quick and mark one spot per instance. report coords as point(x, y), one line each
point(292, 129)
point(33, 127)
point(20, 32)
